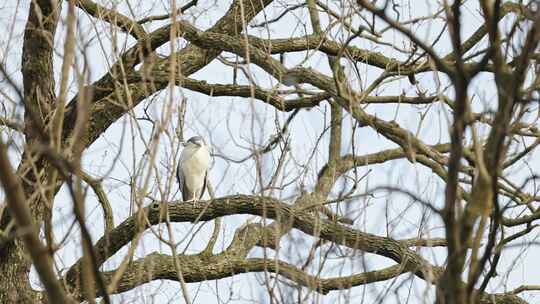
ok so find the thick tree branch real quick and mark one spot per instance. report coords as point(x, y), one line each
point(274, 209)
point(113, 17)
point(262, 206)
point(197, 268)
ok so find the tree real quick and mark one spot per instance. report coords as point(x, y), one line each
point(376, 78)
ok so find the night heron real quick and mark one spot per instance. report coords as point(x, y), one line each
point(193, 169)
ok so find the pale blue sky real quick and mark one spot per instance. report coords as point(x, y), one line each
point(220, 118)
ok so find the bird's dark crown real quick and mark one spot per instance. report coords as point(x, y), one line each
point(198, 140)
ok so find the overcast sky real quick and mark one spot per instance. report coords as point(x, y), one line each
point(222, 119)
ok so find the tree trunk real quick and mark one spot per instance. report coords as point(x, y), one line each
point(15, 268)
point(39, 99)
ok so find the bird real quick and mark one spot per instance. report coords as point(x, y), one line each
point(192, 169)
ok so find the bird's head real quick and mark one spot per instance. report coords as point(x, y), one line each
point(196, 140)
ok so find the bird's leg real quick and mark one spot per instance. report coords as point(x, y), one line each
point(195, 200)
point(191, 202)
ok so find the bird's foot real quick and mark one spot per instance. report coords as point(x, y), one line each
point(192, 202)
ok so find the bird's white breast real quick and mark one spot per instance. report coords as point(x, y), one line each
point(194, 163)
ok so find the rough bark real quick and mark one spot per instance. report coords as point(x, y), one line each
point(39, 97)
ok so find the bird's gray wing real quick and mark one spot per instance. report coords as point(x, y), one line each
point(204, 184)
point(179, 175)
point(186, 194)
